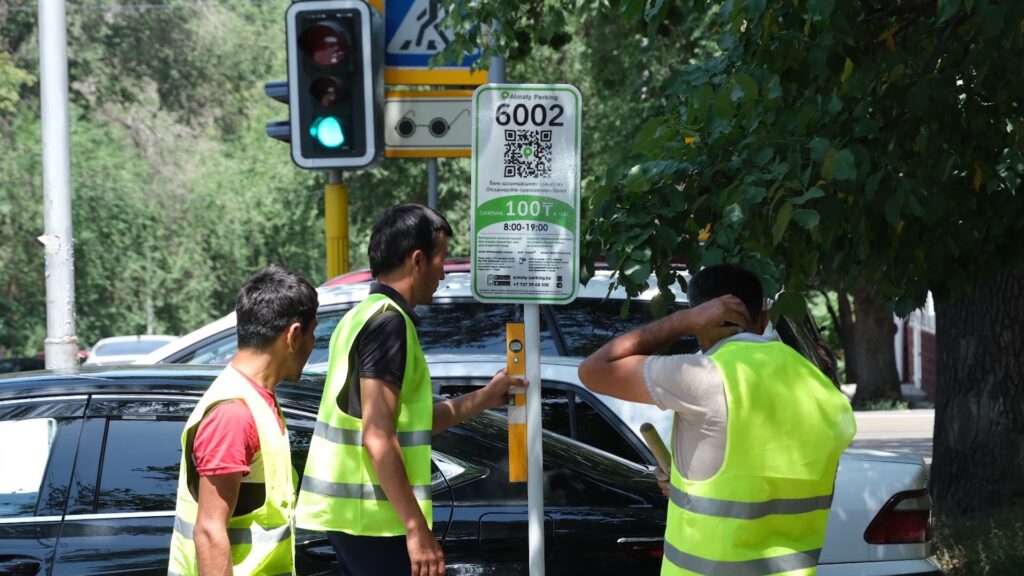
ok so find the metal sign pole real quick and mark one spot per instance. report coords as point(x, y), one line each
point(58, 243)
point(534, 444)
point(534, 436)
point(432, 183)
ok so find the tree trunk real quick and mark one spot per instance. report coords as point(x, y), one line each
point(846, 334)
point(873, 334)
point(979, 409)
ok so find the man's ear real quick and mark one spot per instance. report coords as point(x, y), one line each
point(418, 258)
point(293, 336)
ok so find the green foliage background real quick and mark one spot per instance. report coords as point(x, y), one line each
point(177, 193)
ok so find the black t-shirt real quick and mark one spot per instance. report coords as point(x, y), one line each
point(380, 348)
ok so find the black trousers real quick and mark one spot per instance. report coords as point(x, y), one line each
point(371, 555)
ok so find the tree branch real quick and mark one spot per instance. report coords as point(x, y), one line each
point(940, 47)
point(900, 10)
point(831, 311)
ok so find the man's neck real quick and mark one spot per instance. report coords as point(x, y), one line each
point(258, 367)
point(401, 285)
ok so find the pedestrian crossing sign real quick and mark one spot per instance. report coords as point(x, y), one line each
point(412, 36)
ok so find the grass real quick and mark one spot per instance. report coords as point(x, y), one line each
point(989, 544)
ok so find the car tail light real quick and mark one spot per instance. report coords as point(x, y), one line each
point(905, 519)
point(643, 548)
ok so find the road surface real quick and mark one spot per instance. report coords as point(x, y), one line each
point(896, 431)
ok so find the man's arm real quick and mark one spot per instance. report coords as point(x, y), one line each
point(617, 368)
point(461, 408)
point(217, 497)
point(379, 401)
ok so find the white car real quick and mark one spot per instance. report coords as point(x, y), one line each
point(880, 521)
point(456, 323)
point(125, 349)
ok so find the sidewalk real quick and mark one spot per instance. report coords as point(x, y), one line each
point(915, 397)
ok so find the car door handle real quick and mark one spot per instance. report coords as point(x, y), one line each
point(18, 566)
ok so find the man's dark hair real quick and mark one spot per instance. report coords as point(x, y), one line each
point(270, 301)
point(715, 281)
point(401, 231)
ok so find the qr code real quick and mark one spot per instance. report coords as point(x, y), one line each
point(527, 153)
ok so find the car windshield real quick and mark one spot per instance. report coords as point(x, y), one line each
point(128, 347)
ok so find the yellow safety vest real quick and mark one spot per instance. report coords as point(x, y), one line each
point(262, 541)
point(764, 512)
point(340, 491)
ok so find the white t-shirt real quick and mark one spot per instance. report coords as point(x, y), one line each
point(692, 386)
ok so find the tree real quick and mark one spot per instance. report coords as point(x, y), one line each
point(876, 146)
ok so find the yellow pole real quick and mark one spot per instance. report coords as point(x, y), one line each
point(336, 224)
point(515, 340)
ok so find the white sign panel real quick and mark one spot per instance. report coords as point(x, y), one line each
point(526, 193)
point(427, 123)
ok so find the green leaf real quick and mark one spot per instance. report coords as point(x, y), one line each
point(733, 213)
point(947, 8)
point(811, 194)
point(806, 218)
point(662, 302)
point(845, 166)
point(872, 183)
point(712, 256)
point(723, 106)
point(652, 9)
point(754, 8)
point(636, 181)
point(754, 194)
point(762, 156)
point(781, 222)
point(819, 147)
point(743, 88)
point(828, 166)
point(637, 272)
point(820, 9)
point(774, 88)
point(893, 207)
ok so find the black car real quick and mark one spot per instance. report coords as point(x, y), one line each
point(90, 462)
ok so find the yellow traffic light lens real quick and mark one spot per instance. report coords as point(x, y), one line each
point(327, 131)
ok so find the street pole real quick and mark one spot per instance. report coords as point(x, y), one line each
point(61, 343)
point(336, 224)
point(534, 436)
point(432, 183)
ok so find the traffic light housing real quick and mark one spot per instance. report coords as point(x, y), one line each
point(335, 84)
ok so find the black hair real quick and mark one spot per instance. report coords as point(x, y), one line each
point(402, 230)
point(270, 301)
point(715, 281)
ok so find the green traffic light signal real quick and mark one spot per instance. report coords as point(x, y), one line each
point(327, 131)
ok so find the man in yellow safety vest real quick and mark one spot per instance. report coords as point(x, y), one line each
point(236, 486)
point(757, 435)
point(367, 478)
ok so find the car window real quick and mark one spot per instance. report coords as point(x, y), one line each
point(554, 408)
point(593, 429)
point(587, 324)
point(24, 463)
point(140, 466)
point(472, 327)
point(129, 347)
point(222, 349)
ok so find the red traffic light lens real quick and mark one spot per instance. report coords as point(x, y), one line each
point(327, 43)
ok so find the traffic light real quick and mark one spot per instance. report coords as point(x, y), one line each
point(335, 84)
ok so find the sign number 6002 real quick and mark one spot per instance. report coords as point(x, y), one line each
point(522, 115)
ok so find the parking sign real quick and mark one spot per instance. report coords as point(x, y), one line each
point(526, 193)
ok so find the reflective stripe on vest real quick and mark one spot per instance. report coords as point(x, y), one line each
point(254, 534)
point(355, 437)
point(759, 567)
point(340, 490)
point(261, 539)
point(746, 510)
point(765, 510)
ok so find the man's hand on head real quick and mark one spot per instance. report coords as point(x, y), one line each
point(720, 318)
